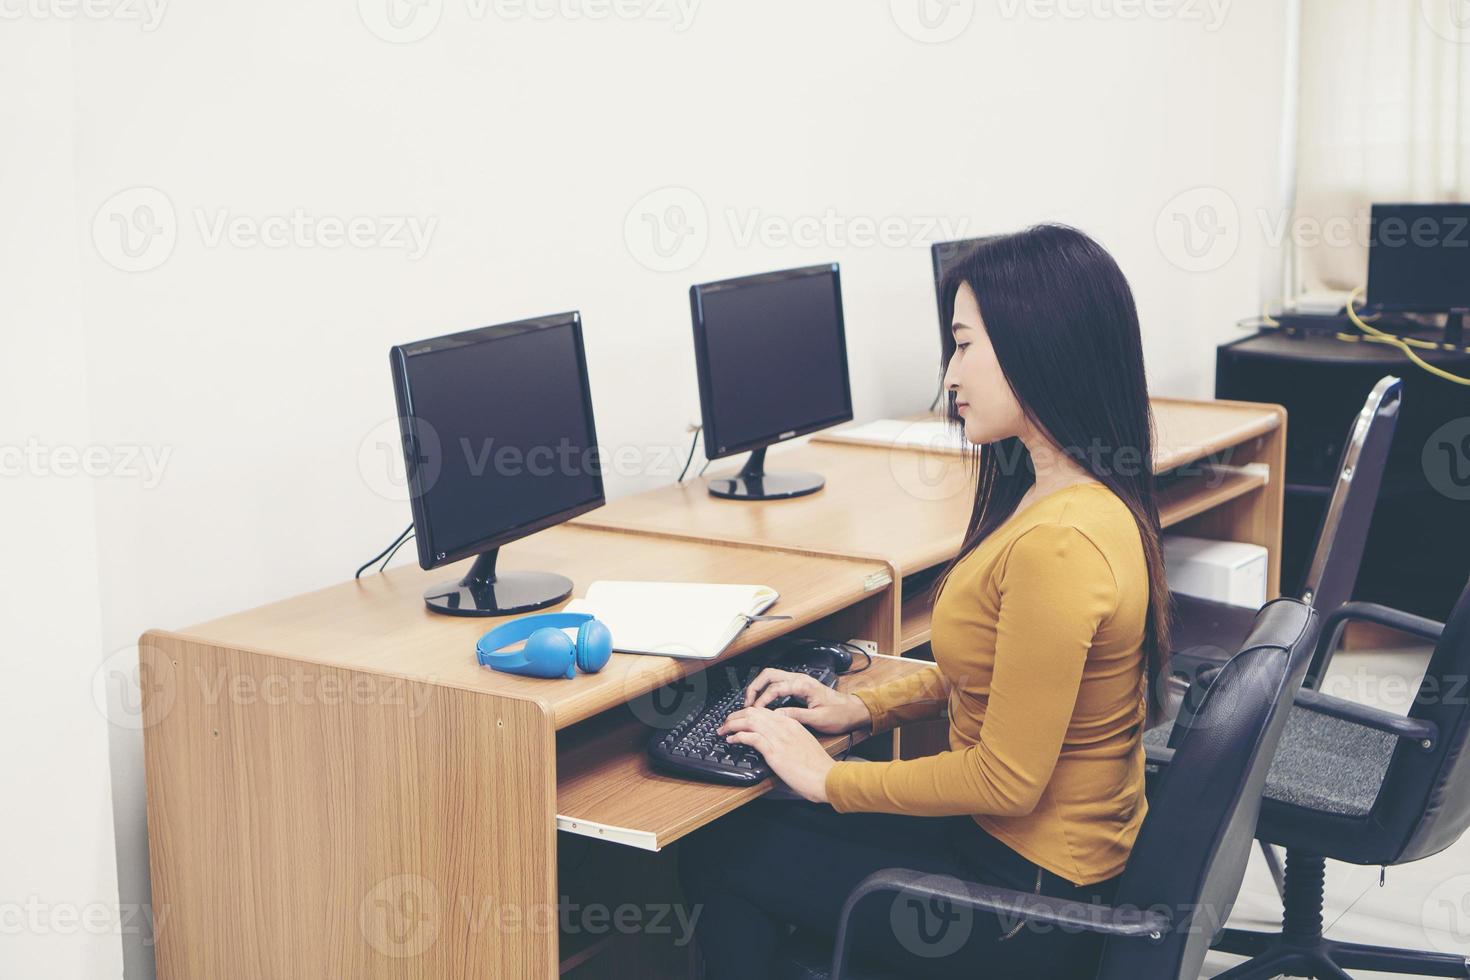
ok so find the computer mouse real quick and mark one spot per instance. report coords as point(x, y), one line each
point(839, 654)
point(841, 657)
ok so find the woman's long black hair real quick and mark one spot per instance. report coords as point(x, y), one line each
point(1061, 318)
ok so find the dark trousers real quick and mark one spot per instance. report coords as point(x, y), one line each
point(779, 863)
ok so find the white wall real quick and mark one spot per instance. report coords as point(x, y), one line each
point(260, 373)
point(59, 911)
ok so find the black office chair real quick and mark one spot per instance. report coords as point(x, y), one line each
point(1191, 852)
point(1365, 786)
point(1205, 632)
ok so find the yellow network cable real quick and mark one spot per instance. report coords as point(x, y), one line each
point(1374, 335)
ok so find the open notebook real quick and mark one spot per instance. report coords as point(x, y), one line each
point(673, 619)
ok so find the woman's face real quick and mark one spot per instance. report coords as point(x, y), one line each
point(983, 397)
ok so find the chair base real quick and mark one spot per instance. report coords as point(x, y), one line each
point(1300, 949)
point(1326, 959)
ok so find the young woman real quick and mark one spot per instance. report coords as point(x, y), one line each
point(1050, 629)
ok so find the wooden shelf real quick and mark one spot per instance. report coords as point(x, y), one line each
point(914, 620)
point(606, 788)
point(1193, 495)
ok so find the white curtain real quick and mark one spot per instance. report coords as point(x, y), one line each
point(1384, 115)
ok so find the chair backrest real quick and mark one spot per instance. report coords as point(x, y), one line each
point(1191, 852)
point(1425, 797)
point(1344, 528)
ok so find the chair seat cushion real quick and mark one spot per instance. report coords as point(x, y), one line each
point(1329, 765)
point(1323, 764)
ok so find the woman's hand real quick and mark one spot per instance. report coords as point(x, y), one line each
point(827, 711)
point(791, 751)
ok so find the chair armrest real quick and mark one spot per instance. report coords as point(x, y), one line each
point(1158, 756)
point(1426, 733)
point(1365, 612)
point(1080, 916)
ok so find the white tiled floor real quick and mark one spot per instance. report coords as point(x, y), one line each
point(1425, 905)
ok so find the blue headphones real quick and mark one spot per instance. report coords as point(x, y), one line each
point(548, 651)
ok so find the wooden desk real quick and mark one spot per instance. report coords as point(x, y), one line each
point(908, 506)
point(337, 789)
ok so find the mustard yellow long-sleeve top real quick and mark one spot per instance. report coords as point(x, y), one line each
point(1038, 646)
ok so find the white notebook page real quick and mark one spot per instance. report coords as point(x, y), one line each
point(673, 619)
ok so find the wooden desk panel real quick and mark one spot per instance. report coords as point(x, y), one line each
point(379, 624)
point(905, 507)
point(911, 506)
point(327, 772)
point(1185, 431)
point(341, 824)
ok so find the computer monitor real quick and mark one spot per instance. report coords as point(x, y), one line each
point(499, 443)
point(771, 354)
point(945, 256)
point(1419, 261)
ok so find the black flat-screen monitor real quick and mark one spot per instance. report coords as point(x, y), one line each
point(499, 442)
point(771, 354)
point(1419, 261)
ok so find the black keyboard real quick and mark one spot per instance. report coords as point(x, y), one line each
point(694, 749)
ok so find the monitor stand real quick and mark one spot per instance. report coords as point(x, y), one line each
point(483, 592)
point(1454, 328)
point(754, 483)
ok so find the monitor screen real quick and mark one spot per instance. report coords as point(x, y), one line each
point(1419, 257)
point(772, 358)
point(498, 434)
point(945, 255)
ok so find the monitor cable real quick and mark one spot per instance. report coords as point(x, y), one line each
point(1372, 334)
point(390, 551)
point(692, 442)
point(384, 566)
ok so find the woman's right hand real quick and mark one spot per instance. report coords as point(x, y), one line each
point(827, 711)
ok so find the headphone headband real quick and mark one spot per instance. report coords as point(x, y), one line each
point(517, 630)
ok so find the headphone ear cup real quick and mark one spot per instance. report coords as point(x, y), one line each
point(594, 646)
point(549, 653)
